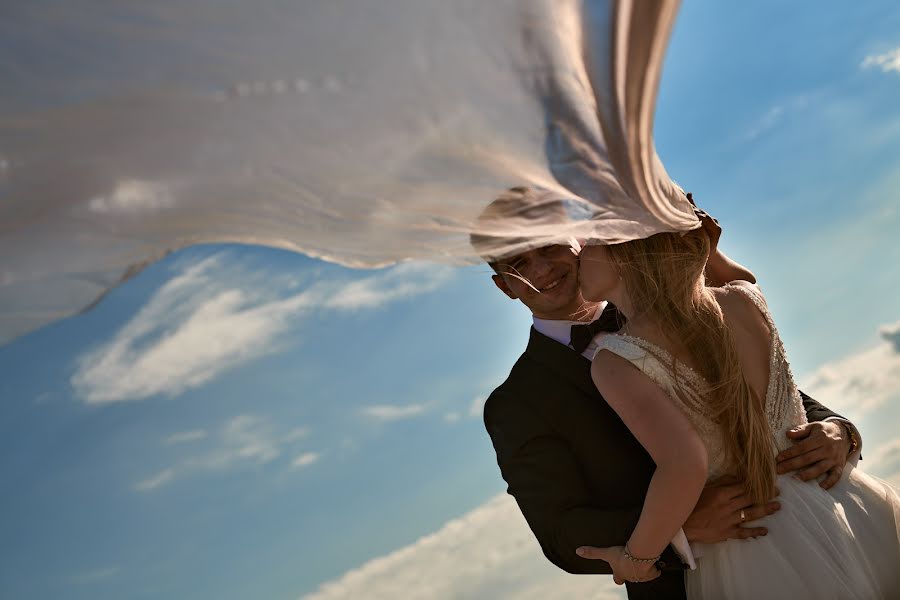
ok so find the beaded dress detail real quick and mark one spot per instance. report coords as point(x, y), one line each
point(687, 388)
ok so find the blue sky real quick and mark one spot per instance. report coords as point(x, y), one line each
point(242, 422)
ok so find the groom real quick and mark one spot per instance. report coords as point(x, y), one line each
point(576, 472)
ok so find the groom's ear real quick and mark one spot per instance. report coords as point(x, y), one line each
point(502, 285)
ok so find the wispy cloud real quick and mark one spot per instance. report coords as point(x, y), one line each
point(401, 282)
point(452, 417)
point(155, 481)
point(487, 553)
point(295, 434)
point(43, 398)
point(198, 326)
point(764, 123)
point(185, 437)
point(94, 576)
point(392, 412)
point(305, 459)
point(861, 382)
point(476, 408)
point(244, 440)
point(885, 461)
point(776, 115)
point(888, 61)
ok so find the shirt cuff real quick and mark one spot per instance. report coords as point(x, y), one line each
point(683, 549)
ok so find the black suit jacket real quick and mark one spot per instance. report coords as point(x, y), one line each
point(577, 473)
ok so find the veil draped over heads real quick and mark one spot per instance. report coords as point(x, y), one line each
point(363, 133)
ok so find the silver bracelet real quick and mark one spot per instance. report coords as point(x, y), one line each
point(632, 558)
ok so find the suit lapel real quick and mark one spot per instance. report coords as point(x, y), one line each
point(572, 367)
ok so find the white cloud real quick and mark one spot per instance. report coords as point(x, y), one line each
point(391, 412)
point(185, 437)
point(403, 281)
point(197, 326)
point(888, 61)
point(859, 383)
point(242, 441)
point(305, 459)
point(884, 461)
point(476, 409)
point(188, 332)
point(487, 553)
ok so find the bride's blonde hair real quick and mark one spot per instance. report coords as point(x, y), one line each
point(663, 275)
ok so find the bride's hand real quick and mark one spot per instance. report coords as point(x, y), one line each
point(622, 568)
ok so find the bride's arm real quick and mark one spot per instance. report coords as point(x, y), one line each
point(720, 269)
point(668, 436)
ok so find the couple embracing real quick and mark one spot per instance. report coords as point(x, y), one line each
point(652, 429)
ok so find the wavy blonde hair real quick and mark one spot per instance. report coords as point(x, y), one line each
point(663, 275)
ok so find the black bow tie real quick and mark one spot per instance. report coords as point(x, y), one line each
point(582, 334)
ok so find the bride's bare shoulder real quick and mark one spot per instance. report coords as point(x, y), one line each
point(739, 309)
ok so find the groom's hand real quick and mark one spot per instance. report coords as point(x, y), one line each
point(719, 511)
point(819, 447)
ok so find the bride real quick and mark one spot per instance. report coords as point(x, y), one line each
point(700, 377)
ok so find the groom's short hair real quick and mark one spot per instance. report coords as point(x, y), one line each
point(498, 230)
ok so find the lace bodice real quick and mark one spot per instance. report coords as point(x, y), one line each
point(784, 407)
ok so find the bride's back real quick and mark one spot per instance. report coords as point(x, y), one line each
point(751, 333)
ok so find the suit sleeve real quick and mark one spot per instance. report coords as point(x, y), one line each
point(545, 479)
point(816, 411)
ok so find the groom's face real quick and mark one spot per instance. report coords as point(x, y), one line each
point(543, 279)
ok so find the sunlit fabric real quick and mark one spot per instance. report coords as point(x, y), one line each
point(363, 133)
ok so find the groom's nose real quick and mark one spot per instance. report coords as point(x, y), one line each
point(539, 267)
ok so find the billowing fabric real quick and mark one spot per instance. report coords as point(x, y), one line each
point(364, 133)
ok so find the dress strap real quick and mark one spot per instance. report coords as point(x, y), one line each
point(679, 380)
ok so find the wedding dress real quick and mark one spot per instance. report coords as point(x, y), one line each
point(842, 543)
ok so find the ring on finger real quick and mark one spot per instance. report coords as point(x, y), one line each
point(743, 516)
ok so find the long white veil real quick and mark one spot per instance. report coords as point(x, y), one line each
point(359, 132)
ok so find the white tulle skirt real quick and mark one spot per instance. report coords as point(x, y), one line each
point(843, 543)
